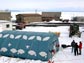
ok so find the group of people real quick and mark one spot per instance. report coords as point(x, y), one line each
point(76, 48)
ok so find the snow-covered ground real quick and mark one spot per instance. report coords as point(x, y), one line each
point(63, 56)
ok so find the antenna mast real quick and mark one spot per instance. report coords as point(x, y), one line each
point(36, 11)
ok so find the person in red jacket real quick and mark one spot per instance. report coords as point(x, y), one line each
point(80, 47)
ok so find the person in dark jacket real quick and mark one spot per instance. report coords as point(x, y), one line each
point(76, 49)
point(72, 45)
point(80, 47)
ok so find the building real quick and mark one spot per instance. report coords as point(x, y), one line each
point(5, 15)
point(5, 25)
point(28, 18)
point(48, 16)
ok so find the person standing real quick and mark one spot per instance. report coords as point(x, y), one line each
point(76, 49)
point(80, 47)
point(72, 45)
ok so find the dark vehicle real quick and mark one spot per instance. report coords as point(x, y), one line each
point(74, 30)
point(20, 26)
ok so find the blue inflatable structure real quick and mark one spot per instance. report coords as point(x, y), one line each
point(28, 45)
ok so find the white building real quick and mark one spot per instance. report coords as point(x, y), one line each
point(5, 25)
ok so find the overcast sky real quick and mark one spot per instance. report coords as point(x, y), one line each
point(42, 5)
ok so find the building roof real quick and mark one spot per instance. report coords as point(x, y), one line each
point(51, 14)
point(27, 15)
